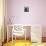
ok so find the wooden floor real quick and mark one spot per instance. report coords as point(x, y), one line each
point(23, 43)
point(18, 43)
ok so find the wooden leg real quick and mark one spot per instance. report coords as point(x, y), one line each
point(15, 38)
point(2, 44)
point(7, 34)
point(12, 36)
point(25, 36)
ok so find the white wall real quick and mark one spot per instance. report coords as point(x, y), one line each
point(36, 14)
point(1, 21)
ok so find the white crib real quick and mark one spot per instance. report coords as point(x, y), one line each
point(35, 32)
